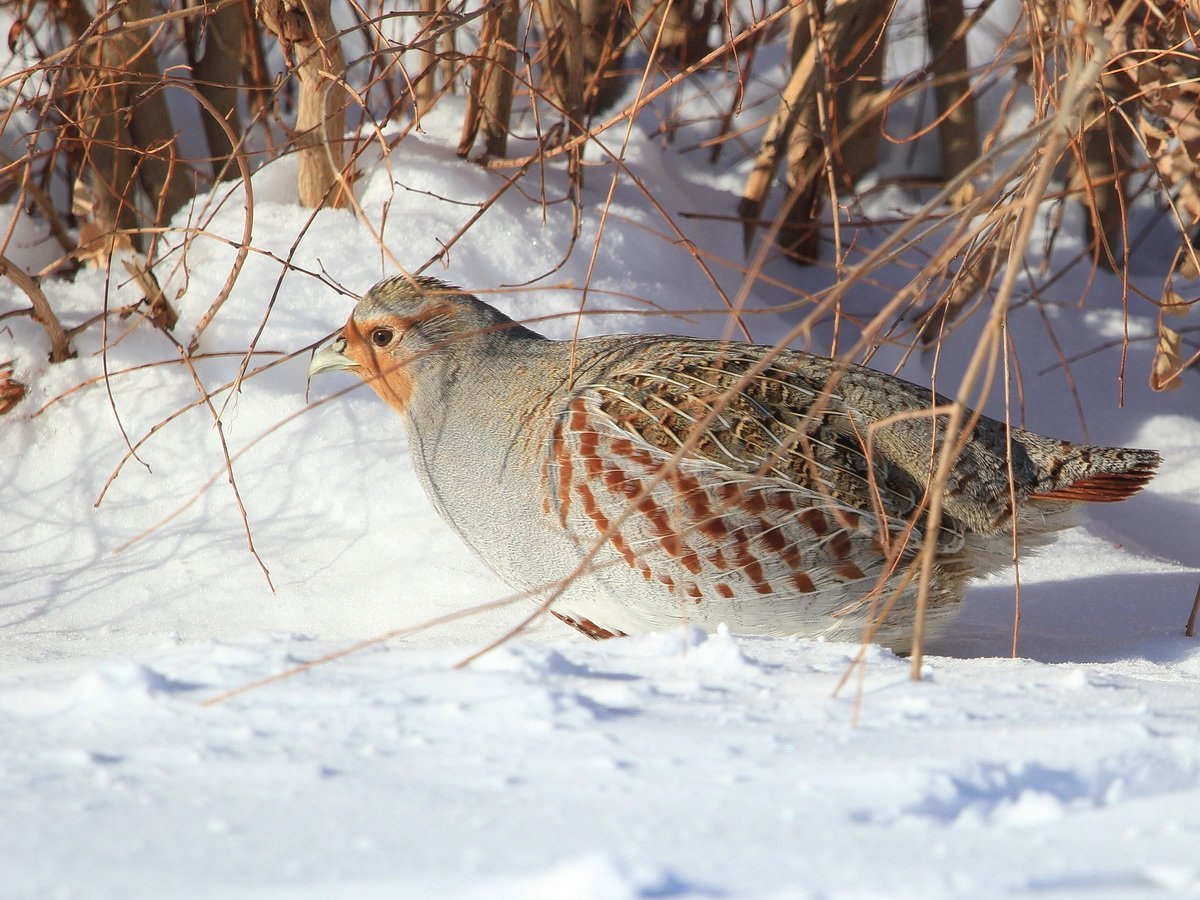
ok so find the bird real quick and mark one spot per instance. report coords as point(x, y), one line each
point(635, 483)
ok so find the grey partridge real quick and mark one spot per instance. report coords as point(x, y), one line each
point(639, 482)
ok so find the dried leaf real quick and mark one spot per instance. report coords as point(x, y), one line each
point(1174, 305)
point(12, 391)
point(14, 34)
point(1168, 361)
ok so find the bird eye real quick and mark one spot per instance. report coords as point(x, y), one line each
point(381, 337)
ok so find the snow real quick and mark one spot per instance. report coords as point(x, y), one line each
point(677, 764)
point(658, 765)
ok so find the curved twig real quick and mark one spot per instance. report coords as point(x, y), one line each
point(60, 348)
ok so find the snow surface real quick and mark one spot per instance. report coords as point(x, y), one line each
point(674, 764)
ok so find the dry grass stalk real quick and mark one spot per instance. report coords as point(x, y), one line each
point(837, 59)
point(978, 270)
point(605, 32)
point(218, 72)
point(1165, 66)
point(124, 131)
point(425, 84)
point(306, 31)
point(489, 102)
point(243, 247)
point(844, 145)
point(564, 60)
point(958, 133)
point(1104, 156)
point(794, 103)
point(1084, 70)
point(1099, 178)
point(683, 27)
point(856, 65)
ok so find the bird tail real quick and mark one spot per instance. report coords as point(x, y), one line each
point(1097, 475)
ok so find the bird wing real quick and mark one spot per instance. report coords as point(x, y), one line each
point(785, 420)
point(712, 512)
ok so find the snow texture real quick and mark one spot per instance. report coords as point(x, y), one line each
point(677, 764)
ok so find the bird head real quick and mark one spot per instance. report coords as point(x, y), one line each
point(403, 326)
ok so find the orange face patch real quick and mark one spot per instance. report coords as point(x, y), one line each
point(389, 378)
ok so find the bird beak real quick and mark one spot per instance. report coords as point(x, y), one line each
point(331, 356)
